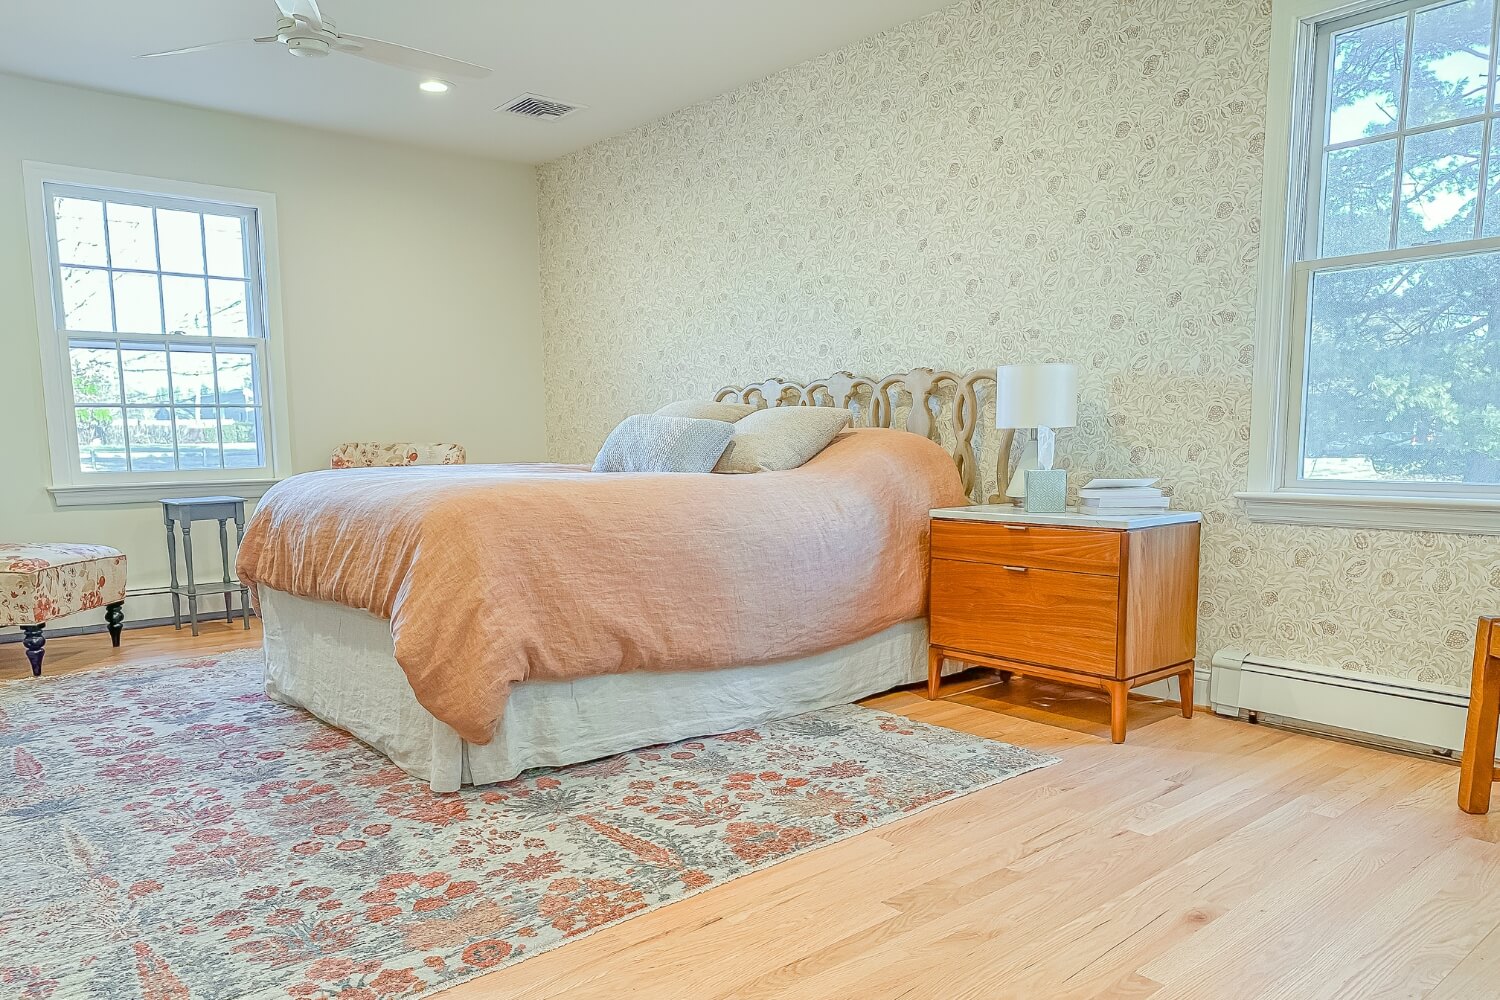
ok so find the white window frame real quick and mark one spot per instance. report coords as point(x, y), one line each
point(71, 486)
point(1276, 492)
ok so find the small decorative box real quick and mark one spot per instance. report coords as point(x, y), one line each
point(1046, 491)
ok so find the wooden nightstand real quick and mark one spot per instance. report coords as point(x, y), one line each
point(1106, 602)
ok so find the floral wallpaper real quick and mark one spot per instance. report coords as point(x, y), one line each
point(998, 182)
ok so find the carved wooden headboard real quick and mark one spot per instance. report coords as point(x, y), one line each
point(942, 406)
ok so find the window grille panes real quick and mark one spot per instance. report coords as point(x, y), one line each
point(159, 305)
point(1400, 364)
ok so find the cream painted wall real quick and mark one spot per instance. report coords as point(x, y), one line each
point(1004, 180)
point(408, 279)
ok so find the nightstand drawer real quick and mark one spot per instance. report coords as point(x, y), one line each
point(1071, 550)
point(1067, 620)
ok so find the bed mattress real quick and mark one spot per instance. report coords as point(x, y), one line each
point(339, 664)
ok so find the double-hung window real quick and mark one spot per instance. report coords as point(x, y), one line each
point(1378, 379)
point(155, 329)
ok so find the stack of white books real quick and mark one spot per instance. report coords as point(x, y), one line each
point(1122, 496)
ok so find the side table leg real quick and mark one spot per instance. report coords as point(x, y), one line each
point(239, 537)
point(934, 671)
point(224, 554)
point(192, 588)
point(172, 562)
point(114, 617)
point(1185, 685)
point(33, 641)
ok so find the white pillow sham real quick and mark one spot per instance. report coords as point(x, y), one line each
point(703, 409)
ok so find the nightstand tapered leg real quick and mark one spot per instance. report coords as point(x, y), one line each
point(934, 671)
point(1119, 693)
point(1185, 684)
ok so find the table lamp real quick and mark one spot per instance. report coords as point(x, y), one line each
point(1044, 397)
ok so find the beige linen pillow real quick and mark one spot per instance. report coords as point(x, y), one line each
point(702, 409)
point(781, 438)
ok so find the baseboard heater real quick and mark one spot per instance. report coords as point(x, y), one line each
point(1410, 716)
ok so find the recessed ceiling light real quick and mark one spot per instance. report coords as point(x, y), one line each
point(435, 86)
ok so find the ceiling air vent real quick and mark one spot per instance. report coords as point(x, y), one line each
point(539, 107)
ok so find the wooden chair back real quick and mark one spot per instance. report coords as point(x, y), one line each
point(1478, 765)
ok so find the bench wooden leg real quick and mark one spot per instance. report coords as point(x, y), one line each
point(34, 641)
point(114, 617)
point(1477, 769)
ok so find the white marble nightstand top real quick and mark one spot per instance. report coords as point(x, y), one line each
point(1008, 514)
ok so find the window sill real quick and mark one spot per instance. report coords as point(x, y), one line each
point(114, 494)
point(1478, 516)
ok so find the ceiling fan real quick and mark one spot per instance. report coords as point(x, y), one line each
point(306, 32)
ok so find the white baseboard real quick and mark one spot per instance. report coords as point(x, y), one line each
point(1384, 709)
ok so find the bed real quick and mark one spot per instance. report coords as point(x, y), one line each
point(471, 622)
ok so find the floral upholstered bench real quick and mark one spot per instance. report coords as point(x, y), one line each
point(387, 454)
point(40, 581)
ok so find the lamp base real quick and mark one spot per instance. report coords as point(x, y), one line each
point(1046, 491)
point(1030, 460)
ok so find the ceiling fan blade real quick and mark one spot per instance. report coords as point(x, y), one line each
point(302, 10)
point(407, 57)
point(200, 48)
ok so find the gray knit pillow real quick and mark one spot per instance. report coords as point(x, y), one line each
point(650, 443)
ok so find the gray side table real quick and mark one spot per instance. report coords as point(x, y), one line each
point(180, 513)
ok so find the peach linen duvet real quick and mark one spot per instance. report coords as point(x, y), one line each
point(492, 575)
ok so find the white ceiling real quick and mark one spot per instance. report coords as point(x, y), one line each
point(630, 61)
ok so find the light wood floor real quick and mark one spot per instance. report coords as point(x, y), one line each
point(1204, 858)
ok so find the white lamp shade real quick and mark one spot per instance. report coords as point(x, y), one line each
point(1036, 395)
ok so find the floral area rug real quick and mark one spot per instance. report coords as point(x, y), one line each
point(168, 832)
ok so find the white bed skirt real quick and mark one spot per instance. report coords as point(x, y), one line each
point(339, 664)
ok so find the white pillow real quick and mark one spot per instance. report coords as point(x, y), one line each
point(781, 438)
point(706, 410)
point(647, 442)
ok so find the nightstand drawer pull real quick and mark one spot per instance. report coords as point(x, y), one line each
point(1016, 569)
point(1016, 527)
